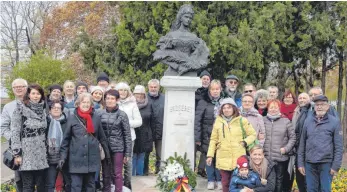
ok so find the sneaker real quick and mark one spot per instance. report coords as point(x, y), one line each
point(210, 185)
point(219, 185)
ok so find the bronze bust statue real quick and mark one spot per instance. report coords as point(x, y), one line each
point(180, 49)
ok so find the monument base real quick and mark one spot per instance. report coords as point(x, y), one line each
point(179, 113)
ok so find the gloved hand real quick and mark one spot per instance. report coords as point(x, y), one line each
point(60, 164)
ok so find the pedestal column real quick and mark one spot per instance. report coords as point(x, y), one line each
point(179, 113)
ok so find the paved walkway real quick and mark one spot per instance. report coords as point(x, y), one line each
point(147, 183)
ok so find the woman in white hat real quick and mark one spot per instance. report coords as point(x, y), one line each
point(127, 103)
point(144, 139)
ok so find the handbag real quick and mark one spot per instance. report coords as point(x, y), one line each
point(8, 159)
point(101, 149)
point(244, 135)
point(8, 156)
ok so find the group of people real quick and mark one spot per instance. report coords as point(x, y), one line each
point(248, 140)
point(251, 140)
point(63, 141)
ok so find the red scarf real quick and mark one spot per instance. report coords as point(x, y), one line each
point(86, 116)
point(288, 110)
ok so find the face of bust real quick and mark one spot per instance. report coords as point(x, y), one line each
point(186, 19)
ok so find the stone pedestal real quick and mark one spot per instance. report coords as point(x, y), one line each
point(179, 113)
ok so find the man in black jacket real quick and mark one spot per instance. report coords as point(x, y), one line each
point(200, 93)
point(157, 100)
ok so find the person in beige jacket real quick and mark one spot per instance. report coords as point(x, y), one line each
point(227, 140)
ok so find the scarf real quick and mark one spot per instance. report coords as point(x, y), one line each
point(273, 117)
point(55, 133)
point(250, 112)
point(143, 103)
point(227, 119)
point(261, 169)
point(231, 94)
point(288, 110)
point(88, 118)
point(215, 102)
point(37, 108)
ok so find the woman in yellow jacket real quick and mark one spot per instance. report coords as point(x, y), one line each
point(227, 140)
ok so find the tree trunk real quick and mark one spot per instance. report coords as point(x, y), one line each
point(324, 66)
point(340, 85)
point(344, 121)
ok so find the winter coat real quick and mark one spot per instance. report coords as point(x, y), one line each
point(129, 106)
point(237, 183)
point(204, 119)
point(6, 117)
point(81, 148)
point(257, 123)
point(271, 179)
point(200, 94)
point(279, 133)
point(225, 141)
point(157, 118)
point(321, 141)
point(299, 117)
point(144, 137)
point(237, 98)
point(53, 153)
point(288, 110)
point(28, 138)
point(117, 131)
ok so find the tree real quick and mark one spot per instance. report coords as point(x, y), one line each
point(21, 24)
point(41, 69)
point(68, 20)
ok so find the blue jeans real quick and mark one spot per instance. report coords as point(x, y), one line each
point(318, 174)
point(138, 163)
point(212, 172)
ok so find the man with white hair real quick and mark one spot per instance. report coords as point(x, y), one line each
point(157, 100)
point(231, 84)
point(300, 115)
point(19, 88)
point(273, 92)
point(321, 147)
point(316, 91)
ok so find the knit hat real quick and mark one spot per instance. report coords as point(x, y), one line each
point(80, 83)
point(94, 88)
point(242, 162)
point(122, 85)
point(205, 73)
point(139, 89)
point(112, 92)
point(320, 98)
point(52, 87)
point(103, 77)
point(232, 77)
point(227, 101)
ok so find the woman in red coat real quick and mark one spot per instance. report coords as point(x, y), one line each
point(288, 104)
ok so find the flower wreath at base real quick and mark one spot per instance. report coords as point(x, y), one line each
point(176, 175)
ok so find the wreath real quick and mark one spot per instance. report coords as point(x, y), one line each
point(176, 175)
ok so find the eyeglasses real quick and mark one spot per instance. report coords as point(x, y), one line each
point(247, 101)
point(248, 91)
point(56, 108)
point(18, 87)
point(233, 82)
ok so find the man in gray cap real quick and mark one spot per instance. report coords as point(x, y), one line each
point(231, 84)
point(321, 147)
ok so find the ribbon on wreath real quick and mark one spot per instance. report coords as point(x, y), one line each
point(182, 183)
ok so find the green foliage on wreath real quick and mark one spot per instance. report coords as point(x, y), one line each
point(168, 186)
